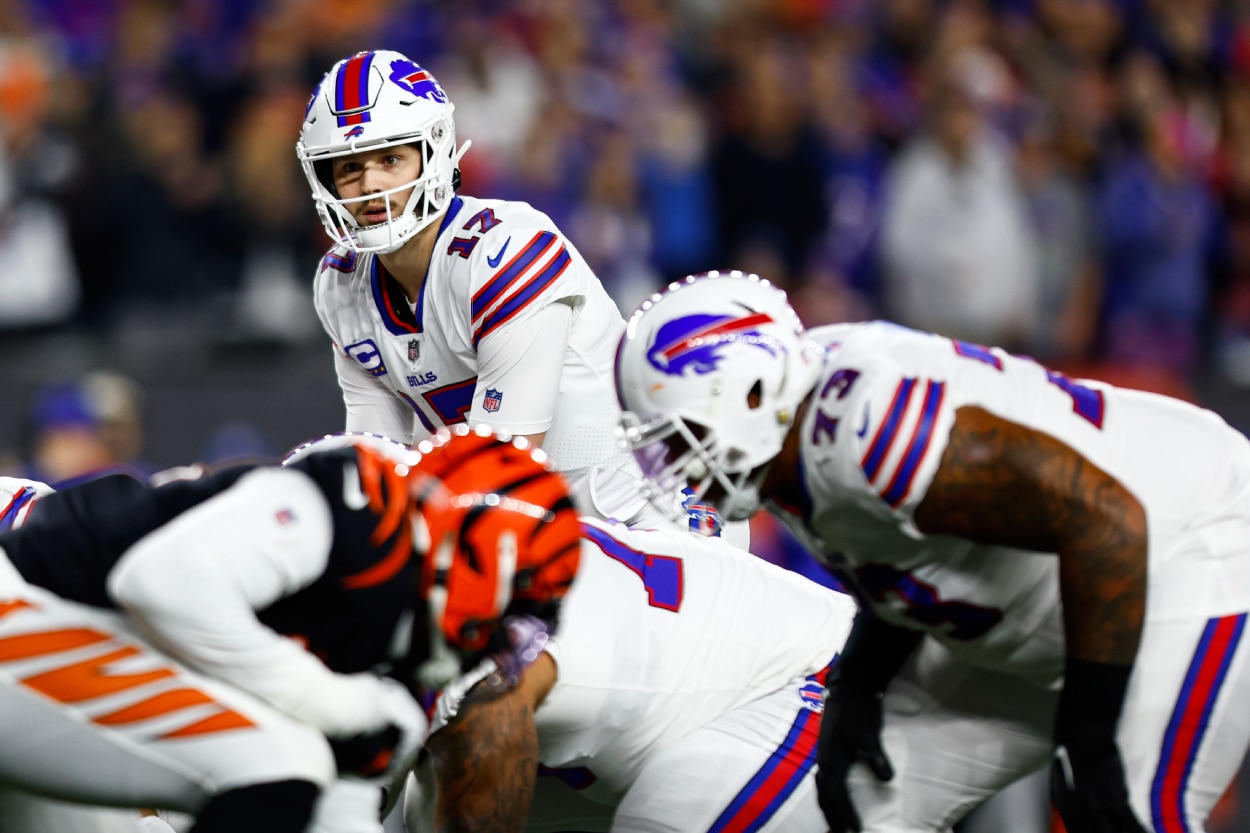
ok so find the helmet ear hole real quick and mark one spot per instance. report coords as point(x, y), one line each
point(755, 396)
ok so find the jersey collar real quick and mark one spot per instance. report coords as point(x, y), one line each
point(398, 318)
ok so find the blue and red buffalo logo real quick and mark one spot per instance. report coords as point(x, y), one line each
point(813, 696)
point(358, 130)
point(692, 343)
point(417, 81)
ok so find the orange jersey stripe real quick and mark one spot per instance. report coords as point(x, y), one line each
point(370, 478)
point(47, 642)
point(396, 510)
point(164, 703)
point(221, 722)
point(384, 569)
point(89, 679)
point(13, 604)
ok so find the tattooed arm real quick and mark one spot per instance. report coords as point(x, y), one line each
point(1002, 483)
point(485, 760)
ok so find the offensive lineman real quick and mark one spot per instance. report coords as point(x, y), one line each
point(290, 591)
point(928, 473)
point(682, 693)
point(445, 308)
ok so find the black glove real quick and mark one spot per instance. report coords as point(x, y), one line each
point(384, 754)
point(367, 755)
point(1087, 782)
point(850, 731)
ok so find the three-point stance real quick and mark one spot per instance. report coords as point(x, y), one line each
point(1010, 531)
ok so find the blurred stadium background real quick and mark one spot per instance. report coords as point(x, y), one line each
point(1067, 178)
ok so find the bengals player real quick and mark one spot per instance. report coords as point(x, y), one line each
point(242, 646)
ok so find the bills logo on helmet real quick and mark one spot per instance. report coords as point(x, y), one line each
point(358, 130)
point(494, 398)
point(692, 342)
point(417, 81)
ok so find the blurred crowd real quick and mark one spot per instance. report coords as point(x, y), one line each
point(1068, 178)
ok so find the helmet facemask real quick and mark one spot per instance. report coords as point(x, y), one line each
point(430, 196)
point(675, 453)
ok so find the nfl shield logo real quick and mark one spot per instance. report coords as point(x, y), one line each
point(492, 400)
point(414, 349)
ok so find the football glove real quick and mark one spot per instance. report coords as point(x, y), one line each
point(1087, 780)
point(850, 731)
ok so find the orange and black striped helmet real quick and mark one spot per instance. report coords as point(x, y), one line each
point(501, 534)
point(493, 526)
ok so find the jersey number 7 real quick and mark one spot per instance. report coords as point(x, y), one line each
point(660, 574)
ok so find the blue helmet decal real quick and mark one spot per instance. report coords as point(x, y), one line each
point(420, 82)
point(692, 343)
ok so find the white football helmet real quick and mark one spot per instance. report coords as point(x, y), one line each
point(374, 100)
point(710, 374)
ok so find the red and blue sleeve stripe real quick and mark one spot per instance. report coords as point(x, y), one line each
point(21, 500)
point(351, 89)
point(896, 492)
point(508, 310)
point(1190, 720)
point(494, 288)
point(884, 438)
point(769, 788)
point(343, 261)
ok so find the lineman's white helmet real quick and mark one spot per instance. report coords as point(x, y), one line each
point(710, 374)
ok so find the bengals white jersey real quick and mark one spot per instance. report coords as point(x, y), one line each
point(874, 435)
point(664, 632)
point(485, 340)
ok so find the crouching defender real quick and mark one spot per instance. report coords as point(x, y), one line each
point(241, 647)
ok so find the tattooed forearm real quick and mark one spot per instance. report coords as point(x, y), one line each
point(1002, 483)
point(486, 760)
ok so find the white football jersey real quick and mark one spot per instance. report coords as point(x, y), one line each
point(464, 350)
point(874, 435)
point(662, 633)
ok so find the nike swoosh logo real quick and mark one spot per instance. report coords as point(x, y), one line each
point(353, 495)
point(494, 261)
point(863, 429)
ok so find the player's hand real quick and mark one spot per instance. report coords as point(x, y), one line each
point(850, 731)
point(1088, 786)
point(385, 754)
